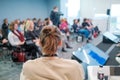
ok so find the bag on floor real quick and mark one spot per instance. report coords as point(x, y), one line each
point(18, 56)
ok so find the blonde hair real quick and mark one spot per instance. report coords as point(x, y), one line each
point(50, 38)
point(28, 24)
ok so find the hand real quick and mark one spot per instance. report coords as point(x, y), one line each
point(36, 40)
point(21, 43)
point(4, 41)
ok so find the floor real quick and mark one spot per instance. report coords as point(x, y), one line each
point(11, 71)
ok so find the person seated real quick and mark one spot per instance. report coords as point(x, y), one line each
point(50, 66)
point(15, 37)
point(32, 35)
point(94, 29)
point(80, 30)
point(65, 43)
point(47, 21)
point(64, 27)
point(39, 26)
point(3, 41)
point(88, 28)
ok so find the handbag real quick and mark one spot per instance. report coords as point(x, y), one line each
point(18, 56)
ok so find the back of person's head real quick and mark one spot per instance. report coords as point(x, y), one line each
point(50, 39)
point(78, 20)
point(47, 21)
point(75, 21)
point(17, 21)
point(5, 20)
point(85, 19)
point(34, 19)
point(62, 20)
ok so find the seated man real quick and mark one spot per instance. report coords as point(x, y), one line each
point(81, 29)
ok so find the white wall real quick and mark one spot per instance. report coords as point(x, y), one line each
point(64, 4)
point(115, 1)
point(91, 7)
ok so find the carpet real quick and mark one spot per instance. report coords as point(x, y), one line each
point(104, 46)
point(112, 55)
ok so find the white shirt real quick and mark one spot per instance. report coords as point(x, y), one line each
point(13, 39)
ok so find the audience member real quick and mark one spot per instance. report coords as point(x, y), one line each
point(50, 66)
point(32, 35)
point(35, 22)
point(3, 41)
point(64, 27)
point(15, 37)
point(47, 21)
point(79, 29)
point(39, 26)
point(18, 23)
point(22, 26)
point(5, 29)
point(75, 26)
point(87, 28)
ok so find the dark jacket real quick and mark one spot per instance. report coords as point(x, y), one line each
point(5, 30)
point(31, 35)
point(55, 18)
point(85, 25)
point(75, 26)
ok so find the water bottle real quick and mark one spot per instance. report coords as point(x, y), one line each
point(79, 38)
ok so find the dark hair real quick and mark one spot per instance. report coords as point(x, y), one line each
point(78, 20)
point(11, 26)
point(55, 7)
point(50, 38)
point(4, 20)
point(85, 19)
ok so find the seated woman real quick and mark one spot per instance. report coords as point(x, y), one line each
point(15, 37)
point(32, 35)
point(50, 66)
point(64, 27)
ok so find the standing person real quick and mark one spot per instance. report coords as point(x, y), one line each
point(50, 66)
point(55, 16)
